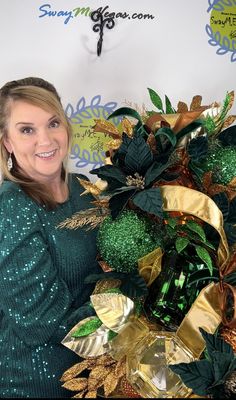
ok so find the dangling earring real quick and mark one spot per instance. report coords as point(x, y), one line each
point(9, 163)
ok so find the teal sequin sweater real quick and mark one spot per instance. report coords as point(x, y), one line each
point(42, 272)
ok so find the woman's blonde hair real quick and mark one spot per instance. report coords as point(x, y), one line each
point(43, 94)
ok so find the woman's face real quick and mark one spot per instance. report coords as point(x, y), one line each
point(38, 141)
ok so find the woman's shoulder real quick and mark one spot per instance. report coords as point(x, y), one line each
point(12, 194)
point(9, 188)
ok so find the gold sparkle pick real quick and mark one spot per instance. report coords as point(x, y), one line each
point(106, 127)
point(89, 187)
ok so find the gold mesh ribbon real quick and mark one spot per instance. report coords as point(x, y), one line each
point(205, 311)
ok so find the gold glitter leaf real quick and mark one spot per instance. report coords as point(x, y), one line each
point(182, 107)
point(75, 370)
point(113, 144)
point(99, 372)
point(231, 101)
point(127, 127)
point(110, 383)
point(89, 187)
point(228, 121)
point(105, 360)
point(92, 394)
point(106, 127)
point(196, 102)
point(79, 395)
point(76, 384)
point(103, 203)
point(120, 369)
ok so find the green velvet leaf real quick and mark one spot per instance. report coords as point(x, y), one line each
point(154, 172)
point(169, 108)
point(168, 133)
point(221, 363)
point(111, 174)
point(156, 100)
point(196, 169)
point(195, 227)
point(230, 231)
point(198, 148)
point(87, 328)
point(197, 375)
point(118, 201)
point(205, 257)
point(221, 200)
point(227, 137)
point(181, 243)
point(232, 212)
point(134, 286)
point(122, 150)
point(150, 200)
point(189, 128)
point(139, 156)
point(126, 111)
point(216, 343)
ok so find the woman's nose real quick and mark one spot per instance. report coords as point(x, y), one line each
point(44, 137)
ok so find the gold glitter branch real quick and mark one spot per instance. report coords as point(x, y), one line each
point(92, 217)
point(104, 372)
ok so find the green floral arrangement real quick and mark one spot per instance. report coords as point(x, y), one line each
point(165, 209)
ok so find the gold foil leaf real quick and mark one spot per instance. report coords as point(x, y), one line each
point(88, 346)
point(113, 309)
point(76, 384)
point(74, 371)
point(106, 127)
point(150, 265)
point(185, 119)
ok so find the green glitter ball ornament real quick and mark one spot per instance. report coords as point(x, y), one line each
point(222, 162)
point(121, 242)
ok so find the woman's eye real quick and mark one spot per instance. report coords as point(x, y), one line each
point(27, 130)
point(54, 124)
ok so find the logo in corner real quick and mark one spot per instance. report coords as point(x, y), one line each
point(222, 28)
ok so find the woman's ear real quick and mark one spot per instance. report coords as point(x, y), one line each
point(7, 144)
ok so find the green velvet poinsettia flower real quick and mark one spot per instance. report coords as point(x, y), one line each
point(214, 375)
point(136, 167)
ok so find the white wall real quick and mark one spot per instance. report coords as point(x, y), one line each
point(169, 53)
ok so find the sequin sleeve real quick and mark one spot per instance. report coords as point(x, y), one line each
point(33, 298)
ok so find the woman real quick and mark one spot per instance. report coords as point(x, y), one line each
point(42, 268)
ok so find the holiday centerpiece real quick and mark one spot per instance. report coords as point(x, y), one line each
point(165, 209)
